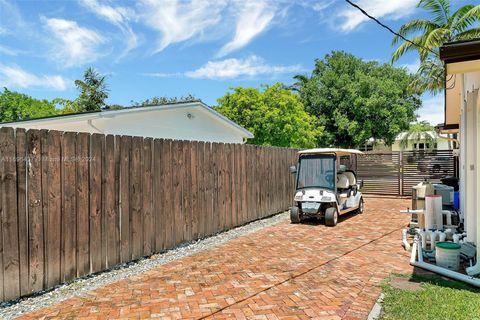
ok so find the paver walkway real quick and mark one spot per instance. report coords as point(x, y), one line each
point(287, 271)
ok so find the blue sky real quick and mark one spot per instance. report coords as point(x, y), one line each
point(172, 48)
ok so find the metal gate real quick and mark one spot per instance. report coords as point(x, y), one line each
point(395, 173)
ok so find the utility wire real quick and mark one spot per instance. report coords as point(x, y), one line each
point(388, 28)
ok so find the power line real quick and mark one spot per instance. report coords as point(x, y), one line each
point(388, 28)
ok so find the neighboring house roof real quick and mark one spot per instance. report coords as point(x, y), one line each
point(85, 116)
point(422, 135)
point(401, 135)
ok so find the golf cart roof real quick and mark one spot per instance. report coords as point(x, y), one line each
point(336, 151)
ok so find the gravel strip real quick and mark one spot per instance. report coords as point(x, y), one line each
point(81, 286)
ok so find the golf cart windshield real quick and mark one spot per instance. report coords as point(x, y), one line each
point(316, 171)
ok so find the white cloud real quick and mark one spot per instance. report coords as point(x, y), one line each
point(234, 68)
point(411, 67)
point(11, 19)
point(320, 6)
point(8, 51)
point(73, 44)
point(118, 16)
point(178, 21)
point(13, 76)
point(349, 18)
point(432, 110)
point(253, 19)
point(163, 74)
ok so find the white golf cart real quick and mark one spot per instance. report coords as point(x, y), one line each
point(324, 187)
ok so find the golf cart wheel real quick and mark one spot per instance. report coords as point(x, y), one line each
point(360, 206)
point(294, 215)
point(331, 217)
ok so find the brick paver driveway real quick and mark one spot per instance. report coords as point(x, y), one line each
point(285, 271)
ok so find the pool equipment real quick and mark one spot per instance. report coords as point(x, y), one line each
point(446, 192)
point(433, 212)
point(416, 259)
point(406, 245)
point(447, 255)
point(456, 200)
point(456, 238)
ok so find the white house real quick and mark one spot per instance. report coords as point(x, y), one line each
point(462, 115)
point(180, 121)
point(419, 142)
point(416, 142)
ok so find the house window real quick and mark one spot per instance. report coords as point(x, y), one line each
point(366, 147)
point(423, 146)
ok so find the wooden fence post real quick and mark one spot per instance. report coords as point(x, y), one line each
point(400, 168)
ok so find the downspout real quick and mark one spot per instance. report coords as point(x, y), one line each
point(447, 137)
point(94, 127)
point(437, 131)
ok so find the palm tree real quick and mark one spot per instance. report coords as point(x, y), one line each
point(93, 91)
point(419, 132)
point(430, 77)
point(428, 35)
point(443, 27)
point(302, 81)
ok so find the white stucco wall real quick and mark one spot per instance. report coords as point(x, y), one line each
point(470, 151)
point(169, 123)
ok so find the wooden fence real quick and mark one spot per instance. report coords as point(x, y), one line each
point(74, 203)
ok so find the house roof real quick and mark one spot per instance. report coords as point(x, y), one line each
point(459, 51)
point(414, 136)
point(460, 57)
point(130, 110)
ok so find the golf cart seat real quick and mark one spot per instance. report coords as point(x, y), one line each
point(352, 180)
point(342, 181)
point(342, 178)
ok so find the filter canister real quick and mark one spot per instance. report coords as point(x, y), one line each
point(433, 212)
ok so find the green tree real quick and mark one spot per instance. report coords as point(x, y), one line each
point(16, 106)
point(357, 100)
point(156, 101)
point(428, 35)
point(274, 115)
point(419, 132)
point(66, 106)
point(93, 91)
point(115, 107)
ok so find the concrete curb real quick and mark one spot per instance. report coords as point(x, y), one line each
point(377, 308)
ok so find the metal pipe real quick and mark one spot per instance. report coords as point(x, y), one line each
point(449, 139)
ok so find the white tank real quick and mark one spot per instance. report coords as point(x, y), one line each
point(433, 212)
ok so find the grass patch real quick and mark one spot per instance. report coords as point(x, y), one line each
point(437, 298)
